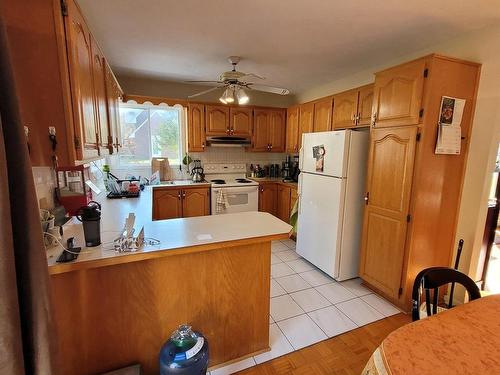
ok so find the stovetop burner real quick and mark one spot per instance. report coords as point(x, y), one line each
point(243, 181)
point(218, 182)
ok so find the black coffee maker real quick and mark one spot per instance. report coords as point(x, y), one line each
point(90, 216)
point(286, 169)
point(295, 171)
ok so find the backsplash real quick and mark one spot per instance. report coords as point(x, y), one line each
point(45, 183)
point(211, 155)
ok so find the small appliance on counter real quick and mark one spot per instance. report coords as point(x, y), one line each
point(197, 172)
point(287, 170)
point(295, 170)
point(90, 216)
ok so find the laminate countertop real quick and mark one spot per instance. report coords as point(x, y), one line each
point(276, 180)
point(175, 235)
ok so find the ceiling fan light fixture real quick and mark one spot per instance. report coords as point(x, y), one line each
point(242, 96)
point(228, 96)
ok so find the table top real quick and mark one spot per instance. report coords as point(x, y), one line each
point(462, 340)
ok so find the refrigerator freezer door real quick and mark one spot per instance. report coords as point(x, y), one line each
point(319, 224)
point(336, 147)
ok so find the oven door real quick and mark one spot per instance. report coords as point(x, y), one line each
point(239, 199)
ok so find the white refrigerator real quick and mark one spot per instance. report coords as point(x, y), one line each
point(331, 191)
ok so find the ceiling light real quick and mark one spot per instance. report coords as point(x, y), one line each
point(242, 96)
point(228, 96)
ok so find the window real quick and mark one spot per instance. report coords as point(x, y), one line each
point(149, 131)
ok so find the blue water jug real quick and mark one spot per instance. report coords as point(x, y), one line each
point(185, 353)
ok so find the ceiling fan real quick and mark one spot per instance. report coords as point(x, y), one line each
point(234, 83)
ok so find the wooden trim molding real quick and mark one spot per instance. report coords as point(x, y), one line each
point(156, 100)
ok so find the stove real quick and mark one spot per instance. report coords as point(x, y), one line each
point(241, 194)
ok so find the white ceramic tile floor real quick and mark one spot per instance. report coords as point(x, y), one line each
point(279, 345)
point(284, 307)
point(300, 265)
point(316, 277)
point(359, 311)
point(335, 292)
point(292, 283)
point(276, 289)
point(307, 306)
point(332, 321)
point(301, 331)
point(310, 300)
point(355, 287)
point(381, 305)
point(281, 269)
point(288, 255)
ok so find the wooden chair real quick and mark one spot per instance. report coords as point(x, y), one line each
point(433, 278)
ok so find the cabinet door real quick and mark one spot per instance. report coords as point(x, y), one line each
point(113, 106)
point(167, 204)
point(196, 127)
point(345, 109)
point(292, 129)
point(195, 202)
point(101, 105)
point(284, 200)
point(277, 130)
point(306, 120)
point(260, 139)
point(82, 91)
point(389, 180)
point(398, 95)
point(323, 115)
point(241, 120)
point(268, 198)
point(217, 120)
point(365, 103)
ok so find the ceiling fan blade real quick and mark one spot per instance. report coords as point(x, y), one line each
point(206, 91)
point(203, 82)
point(271, 89)
point(250, 75)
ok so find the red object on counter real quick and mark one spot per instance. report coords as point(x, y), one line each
point(72, 191)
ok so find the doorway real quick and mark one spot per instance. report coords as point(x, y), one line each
point(491, 239)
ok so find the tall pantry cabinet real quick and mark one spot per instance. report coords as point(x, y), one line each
point(412, 194)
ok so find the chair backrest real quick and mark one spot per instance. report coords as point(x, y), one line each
point(433, 278)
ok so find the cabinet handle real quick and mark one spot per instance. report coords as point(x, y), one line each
point(183, 194)
point(203, 145)
point(358, 117)
point(374, 119)
point(271, 146)
point(227, 130)
point(367, 197)
point(179, 195)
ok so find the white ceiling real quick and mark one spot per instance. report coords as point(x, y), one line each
point(294, 44)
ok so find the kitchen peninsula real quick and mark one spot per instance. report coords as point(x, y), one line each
point(112, 310)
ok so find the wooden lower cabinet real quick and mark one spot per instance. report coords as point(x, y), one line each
point(283, 206)
point(277, 198)
point(268, 197)
point(195, 202)
point(173, 202)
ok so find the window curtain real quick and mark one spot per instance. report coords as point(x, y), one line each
point(26, 334)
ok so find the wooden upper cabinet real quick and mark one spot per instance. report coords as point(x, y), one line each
point(277, 130)
point(323, 115)
point(196, 127)
point(365, 103)
point(101, 102)
point(217, 120)
point(80, 63)
point(306, 120)
point(195, 202)
point(260, 140)
point(292, 129)
point(398, 95)
point(113, 97)
point(389, 182)
point(241, 121)
point(345, 109)
point(268, 197)
point(167, 204)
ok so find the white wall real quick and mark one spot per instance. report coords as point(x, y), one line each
point(481, 46)
point(134, 85)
